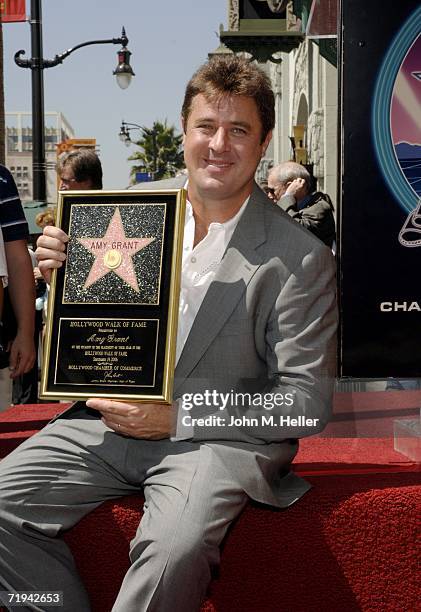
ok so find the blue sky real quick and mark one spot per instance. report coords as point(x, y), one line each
point(168, 41)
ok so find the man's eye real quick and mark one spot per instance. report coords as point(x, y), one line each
point(239, 131)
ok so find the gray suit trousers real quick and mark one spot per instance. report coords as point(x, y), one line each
point(59, 475)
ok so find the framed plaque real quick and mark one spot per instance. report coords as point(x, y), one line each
point(113, 305)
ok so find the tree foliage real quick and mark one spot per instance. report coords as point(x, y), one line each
point(160, 152)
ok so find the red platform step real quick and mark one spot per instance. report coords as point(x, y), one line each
point(348, 544)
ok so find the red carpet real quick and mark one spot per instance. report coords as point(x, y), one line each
point(348, 545)
point(350, 456)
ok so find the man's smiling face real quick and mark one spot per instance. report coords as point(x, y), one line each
point(222, 148)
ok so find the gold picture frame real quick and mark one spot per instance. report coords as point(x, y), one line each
point(113, 306)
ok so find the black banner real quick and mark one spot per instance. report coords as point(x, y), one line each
point(380, 225)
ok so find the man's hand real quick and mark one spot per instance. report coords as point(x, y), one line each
point(22, 354)
point(147, 421)
point(22, 297)
point(297, 188)
point(50, 250)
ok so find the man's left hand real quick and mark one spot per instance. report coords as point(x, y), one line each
point(148, 421)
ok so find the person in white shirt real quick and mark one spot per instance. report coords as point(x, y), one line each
point(257, 324)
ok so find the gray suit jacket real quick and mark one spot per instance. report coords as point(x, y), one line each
point(266, 329)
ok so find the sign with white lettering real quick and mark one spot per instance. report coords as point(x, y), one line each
point(380, 245)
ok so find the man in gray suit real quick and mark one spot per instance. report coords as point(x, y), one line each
point(255, 367)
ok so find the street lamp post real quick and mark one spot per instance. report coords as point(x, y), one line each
point(37, 64)
point(124, 135)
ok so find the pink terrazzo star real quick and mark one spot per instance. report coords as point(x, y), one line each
point(113, 253)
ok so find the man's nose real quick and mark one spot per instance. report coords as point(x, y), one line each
point(220, 141)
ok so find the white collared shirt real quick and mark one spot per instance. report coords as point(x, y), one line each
point(200, 265)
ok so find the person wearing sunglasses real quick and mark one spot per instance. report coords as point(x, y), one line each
point(290, 186)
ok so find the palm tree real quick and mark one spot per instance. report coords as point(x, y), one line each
point(160, 152)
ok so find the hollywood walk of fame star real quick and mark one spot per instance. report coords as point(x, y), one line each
point(113, 253)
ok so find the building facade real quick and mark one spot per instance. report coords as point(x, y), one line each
point(19, 150)
point(306, 93)
point(304, 79)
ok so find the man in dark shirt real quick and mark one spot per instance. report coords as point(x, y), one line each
point(290, 186)
point(21, 279)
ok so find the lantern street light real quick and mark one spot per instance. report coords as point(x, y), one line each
point(37, 64)
point(124, 136)
point(123, 72)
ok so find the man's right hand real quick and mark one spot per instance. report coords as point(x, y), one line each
point(297, 188)
point(50, 250)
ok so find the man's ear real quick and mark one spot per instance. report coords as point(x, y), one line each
point(266, 142)
point(183, 127)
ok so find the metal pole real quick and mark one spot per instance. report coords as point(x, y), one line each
point(155, 152)
point(38, 136)
point(37, 64)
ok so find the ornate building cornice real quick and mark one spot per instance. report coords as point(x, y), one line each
point(233, 15)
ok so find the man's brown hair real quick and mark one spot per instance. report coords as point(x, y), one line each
point(85, 164)
point(232, 76)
